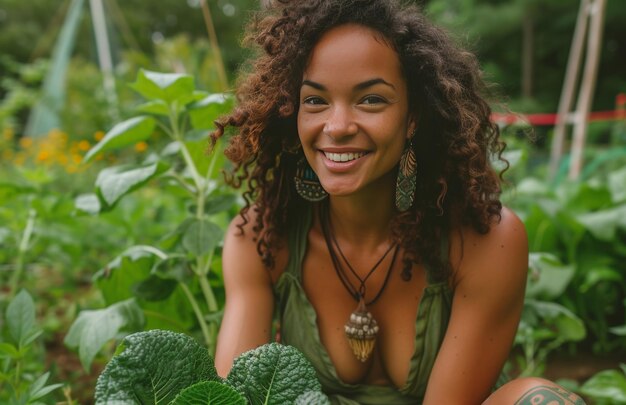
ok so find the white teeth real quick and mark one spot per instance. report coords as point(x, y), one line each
point(343, 157)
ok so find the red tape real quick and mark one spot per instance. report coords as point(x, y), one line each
point(550, 119)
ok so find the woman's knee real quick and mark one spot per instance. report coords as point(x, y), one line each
point(532, 391)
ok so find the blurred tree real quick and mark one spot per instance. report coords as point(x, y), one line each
point(523, 46)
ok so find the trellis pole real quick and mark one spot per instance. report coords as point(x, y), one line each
point(592, 11)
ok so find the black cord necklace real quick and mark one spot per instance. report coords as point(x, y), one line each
point(361, 328)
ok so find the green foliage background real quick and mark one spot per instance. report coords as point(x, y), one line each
point(124, 259)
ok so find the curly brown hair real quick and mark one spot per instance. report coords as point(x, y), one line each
point(455, 137)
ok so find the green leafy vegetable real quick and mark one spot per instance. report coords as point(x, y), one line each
point(163, 367)
point(273, 374)
point(153, 368)
point(209, 393)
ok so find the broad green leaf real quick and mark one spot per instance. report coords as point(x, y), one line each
point(201, 237)
point(219, 203)
point(548, 277)
point(617, 180)
point(619, 330)
point(560, 321)
point(88, 203)
point(115, 182)
point(273, 374)
point(39, 389)
point(156, 107)
point(8, 350)
point(609, 385)
point(20, 317)
point(603, 224)
point(597, 275)
point(532, 187)
point(125, 133)
point(588, 197)
point(209, 393)
point(154, 288)
point(93, 328)
point(168, 87)
point(203, 113)
point(152, 368)
point(312, 398)
point(541, 229)
point(199, 155)
point(118, 279)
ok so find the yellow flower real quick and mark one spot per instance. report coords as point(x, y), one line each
point(84, 145)
point(141, 146)
point(26, 142)
point(98, 135)
point(8, 134)
point(43, 156)
point(77, 158)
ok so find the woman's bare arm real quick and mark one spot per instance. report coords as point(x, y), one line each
point(490, 279)
point(249, 298)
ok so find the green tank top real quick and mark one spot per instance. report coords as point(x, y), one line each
point(299, 329)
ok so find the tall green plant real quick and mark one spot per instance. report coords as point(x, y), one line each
point(170, 283)
point(19, 385)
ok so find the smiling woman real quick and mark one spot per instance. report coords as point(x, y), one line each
point(373, 222)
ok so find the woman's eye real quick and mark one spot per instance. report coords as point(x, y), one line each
point(314, 100)
point(372, 100)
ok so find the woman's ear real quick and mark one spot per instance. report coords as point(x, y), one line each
point(411, 128)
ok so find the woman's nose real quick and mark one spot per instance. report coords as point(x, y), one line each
point(340, 124)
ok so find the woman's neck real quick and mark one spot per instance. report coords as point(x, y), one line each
point(362, 218)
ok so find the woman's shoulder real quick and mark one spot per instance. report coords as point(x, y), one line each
point(241, 246)
point(502, 252)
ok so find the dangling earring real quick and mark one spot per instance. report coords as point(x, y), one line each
point(307, 183)
point(407, 177)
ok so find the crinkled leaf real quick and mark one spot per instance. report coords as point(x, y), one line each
point(209, 393)
point(93, 328)
point(168, 87)
point(312, 398)
point(273, 374)
point(20, 317)
point(88, 203)
point(115, 182)
point(152, 368)
point(125, 133)
point(609, 385)
point(201, 237)
point(548, 277)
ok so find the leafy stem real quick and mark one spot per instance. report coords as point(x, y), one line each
point(21, 251)
point(208, 337)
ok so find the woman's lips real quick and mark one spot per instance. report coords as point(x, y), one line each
point(341, 161)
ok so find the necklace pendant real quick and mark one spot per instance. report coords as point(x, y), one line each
point(361, 330)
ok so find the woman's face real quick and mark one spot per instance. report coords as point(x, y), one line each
point(353, 119)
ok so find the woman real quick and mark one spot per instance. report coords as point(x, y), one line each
point(373, 225)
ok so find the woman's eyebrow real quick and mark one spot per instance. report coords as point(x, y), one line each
point(360, 86)
point(372, 82)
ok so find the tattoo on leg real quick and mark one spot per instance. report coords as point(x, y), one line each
point(547, 395)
